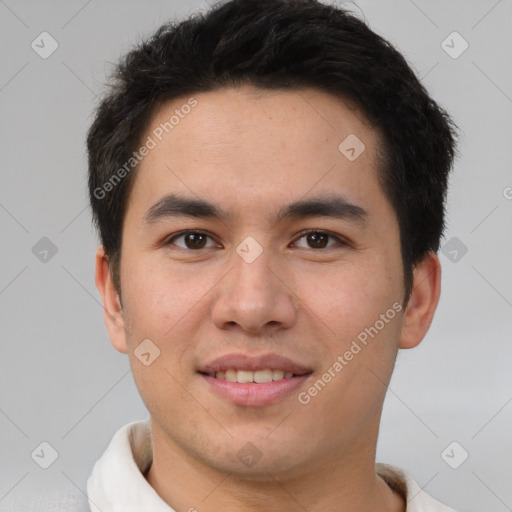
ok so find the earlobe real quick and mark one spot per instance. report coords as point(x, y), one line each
point(112, 308)
point(422, 302)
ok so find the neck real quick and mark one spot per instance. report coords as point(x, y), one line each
point(347, 482)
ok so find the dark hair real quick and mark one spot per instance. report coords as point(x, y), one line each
point(279, 44)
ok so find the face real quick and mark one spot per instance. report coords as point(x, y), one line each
point(249, 283)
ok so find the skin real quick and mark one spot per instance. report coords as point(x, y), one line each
point(252, 152)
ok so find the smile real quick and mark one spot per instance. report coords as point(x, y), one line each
point(254, 389)
point(259, 377)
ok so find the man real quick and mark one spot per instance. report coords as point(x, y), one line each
point(268, 180)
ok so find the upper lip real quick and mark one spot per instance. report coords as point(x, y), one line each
point(254, 363)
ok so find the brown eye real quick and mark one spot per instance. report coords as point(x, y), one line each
point(192, 240)
point(320, 239)
point(317, 240)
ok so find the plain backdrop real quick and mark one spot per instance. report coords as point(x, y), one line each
point(61, 382)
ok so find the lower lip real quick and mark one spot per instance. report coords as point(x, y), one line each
point(253, 394)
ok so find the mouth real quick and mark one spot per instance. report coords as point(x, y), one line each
point(254, 381)
point(251, 393)
point(258, 377)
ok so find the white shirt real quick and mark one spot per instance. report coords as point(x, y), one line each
point(117, 482)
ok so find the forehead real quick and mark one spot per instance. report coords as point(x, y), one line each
point(243, 144)
point(230, 115)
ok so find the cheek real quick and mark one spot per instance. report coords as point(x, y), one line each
point(168, 306)
point(158, 296)
point(360, 313)
point(358, 363)
point(159, 306)
point(350, 299)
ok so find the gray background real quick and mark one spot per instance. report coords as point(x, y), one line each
point(60, 379)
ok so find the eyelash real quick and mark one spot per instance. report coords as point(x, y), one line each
point(181, 234)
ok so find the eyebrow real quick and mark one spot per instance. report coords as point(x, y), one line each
point(335, 206)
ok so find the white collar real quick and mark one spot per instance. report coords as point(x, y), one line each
point(117, 482)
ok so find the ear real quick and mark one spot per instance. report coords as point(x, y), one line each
point(422, 302)
point(112, 309)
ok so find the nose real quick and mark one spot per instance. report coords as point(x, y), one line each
point(255, 298)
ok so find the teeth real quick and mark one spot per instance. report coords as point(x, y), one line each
point(277, 374)
point(244, 377)
point(260, 377)
point(231, 375)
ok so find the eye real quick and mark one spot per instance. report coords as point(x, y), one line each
point(191, 239)
point(319, 239)
point(195, 240)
